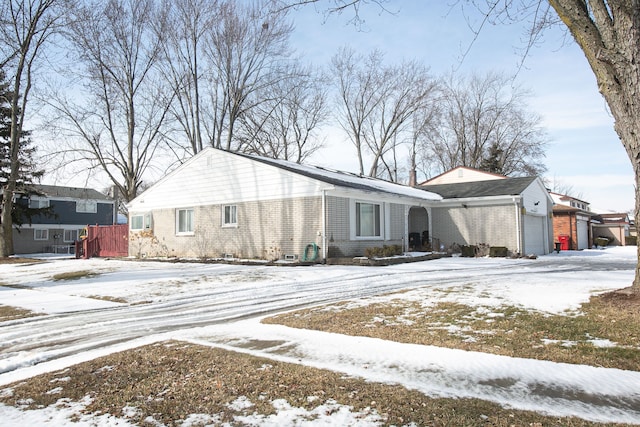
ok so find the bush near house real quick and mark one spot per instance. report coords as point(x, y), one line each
point(383, 252)
point(601, 241)
point(498, 252)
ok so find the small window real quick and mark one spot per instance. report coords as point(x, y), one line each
point(86, 206)
point(38, 203)
point(70, 236)
point(140, 222)
point(367, 220)
point(40, 234)
point(184, 221)
point(230, 216)
point(137, 222)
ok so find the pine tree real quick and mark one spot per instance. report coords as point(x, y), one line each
point(29, 173)
point(493, 160)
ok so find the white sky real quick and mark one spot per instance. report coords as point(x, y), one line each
point(584, 151)
point(206, 294)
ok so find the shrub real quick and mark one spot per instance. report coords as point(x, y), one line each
point(468, 251)
point(383, 252)
point(631, 240)
point(498, 252)
point(601, 241)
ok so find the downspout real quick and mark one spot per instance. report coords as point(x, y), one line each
point(516, 203)
point(324, 226)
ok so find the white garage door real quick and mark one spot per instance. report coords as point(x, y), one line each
point(583, 234)
point(534, 235)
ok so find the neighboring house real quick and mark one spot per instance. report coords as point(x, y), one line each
point(462, 174)
point(224, 204)
point(71, 209)
point(571, 222)
point(614, 226)
point(483, 208)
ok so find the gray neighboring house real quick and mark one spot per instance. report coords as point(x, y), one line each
point(515, 213)
point(231, 205)
point(71, 208)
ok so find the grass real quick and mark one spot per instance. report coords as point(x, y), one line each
point(11, 313)
point(510, 331)
point(74, 275)
point(169, 381)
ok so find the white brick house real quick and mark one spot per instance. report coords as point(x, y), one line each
point(221, 204)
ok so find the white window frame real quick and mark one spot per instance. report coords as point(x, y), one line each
point(189, 230)
point(40, 230)
point(64, 235)
point(233, 214)
point(145, 222)
point(134, 219)
point(38, 203)
point(86, 206)
point(356, 209)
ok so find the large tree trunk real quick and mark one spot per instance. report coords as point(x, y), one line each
point(608, 32)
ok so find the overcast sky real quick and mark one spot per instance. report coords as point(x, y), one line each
point(584, 151)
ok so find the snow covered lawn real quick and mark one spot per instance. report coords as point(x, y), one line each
point(221, 306)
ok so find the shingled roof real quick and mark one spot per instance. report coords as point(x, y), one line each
point(347, 179)
point(70, 192)
point(494, 187)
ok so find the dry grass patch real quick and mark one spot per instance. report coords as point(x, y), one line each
point(602, 334)
point(12, 313)
point(74, 275)
point(170, 381)
point(17, 260)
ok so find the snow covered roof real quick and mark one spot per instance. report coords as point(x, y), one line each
point(494, 187)
point(347, 179)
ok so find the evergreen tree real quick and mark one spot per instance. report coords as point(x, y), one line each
point(493, 161)
point(29, 173)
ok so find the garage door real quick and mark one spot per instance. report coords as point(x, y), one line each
point(534, 235)
point(583, 234)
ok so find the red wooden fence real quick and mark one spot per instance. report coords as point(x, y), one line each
point(104, 241)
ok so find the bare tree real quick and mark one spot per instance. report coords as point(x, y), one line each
point(285, 124)
point(185, 67)
point(608, 32)
point(25, 28)
point(118, 125)
point(246, 51)
point(485, 124)
point(377, 104)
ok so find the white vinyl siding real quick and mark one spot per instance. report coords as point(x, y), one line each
point(184, 221)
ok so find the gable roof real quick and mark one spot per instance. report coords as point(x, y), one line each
point(494, 187)
point(346, 179)
point(457, 175)
point(70, 192)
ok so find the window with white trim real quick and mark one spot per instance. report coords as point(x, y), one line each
point(140, 222)
point(86, 206)
point(38, 203)
point(368, 220)
point(70, 236)
point(184, 221)
point(230, 216)
point(40, 234)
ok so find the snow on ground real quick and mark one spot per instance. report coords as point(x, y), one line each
point(553, 284)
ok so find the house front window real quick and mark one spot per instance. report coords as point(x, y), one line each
point(70, 236)
point(38, 203)
point(86, 206)
point(367, 220)
point(140, 222)
point(184, 221)
point(40, 234)
point(230, 218)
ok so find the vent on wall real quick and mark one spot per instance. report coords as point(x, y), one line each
point(290, 257)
